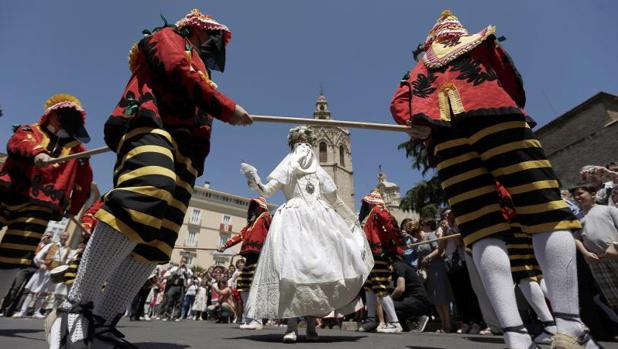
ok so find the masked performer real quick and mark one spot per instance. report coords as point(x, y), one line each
point(160, 131)
point(385, 241)
point(33, 193)
point(465, 99)
point(315, 258)
point(252, 237)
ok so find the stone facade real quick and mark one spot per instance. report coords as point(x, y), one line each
point(585, 135)
point(392, 198)
point(212, 217)
point(334, 149)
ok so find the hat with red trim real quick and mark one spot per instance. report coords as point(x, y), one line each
point(195, 18)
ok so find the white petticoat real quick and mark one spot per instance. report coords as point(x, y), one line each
point(312, 263)
point(40, 282)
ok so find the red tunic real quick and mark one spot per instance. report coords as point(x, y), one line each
point(63, 187)
point(382, 233)
point(252, 236)
point(88, 219)
point(483, 81)
point(170, 89)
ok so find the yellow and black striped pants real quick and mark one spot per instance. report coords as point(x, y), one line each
point(474, 153)
point(379, 278)
point(521, 254)
point(153, 183)
point(245, 278)
point(25, 224)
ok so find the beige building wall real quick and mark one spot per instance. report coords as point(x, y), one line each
point(212, 218)
point(585, 135)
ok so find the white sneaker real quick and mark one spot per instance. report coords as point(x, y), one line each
point(253, 325)
point(290, 337)
point(18, 315)
point(422, 323)
point(368, 326)
point(38, 315)
point(391, 327)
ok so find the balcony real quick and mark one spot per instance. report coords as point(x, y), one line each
point(190, 244)
point(225, 228)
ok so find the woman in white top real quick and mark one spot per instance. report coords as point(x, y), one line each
point(315, 258)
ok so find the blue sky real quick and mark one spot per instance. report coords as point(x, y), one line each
point(282, 51)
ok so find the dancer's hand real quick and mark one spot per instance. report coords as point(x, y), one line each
point(590, 257)
point(419, 132)
point(610, 253)
point(220, 249)
point(240, 117)
point(40, 160)
point(43, 266)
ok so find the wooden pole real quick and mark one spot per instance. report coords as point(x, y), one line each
point(266, 118)
point(329, 123)
point(434, 240)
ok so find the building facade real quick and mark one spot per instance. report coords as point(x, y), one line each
point(334, 149)
point(584, 135)
point(392, 198)
point(212, 218)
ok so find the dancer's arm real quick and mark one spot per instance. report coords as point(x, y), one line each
point(340, 207)
point(253, 180)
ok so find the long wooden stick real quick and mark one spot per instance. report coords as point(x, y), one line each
point(329, 123)
point(266, 118)
point(434, 240)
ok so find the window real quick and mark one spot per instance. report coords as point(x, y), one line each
point(323, 150)
point(192, 238)
point(226, 219)
point(189, 257)
point(195, 216)
point(341, 156)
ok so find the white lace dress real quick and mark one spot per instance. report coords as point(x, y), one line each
point(315, 258)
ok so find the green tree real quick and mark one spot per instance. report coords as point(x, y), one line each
point(427, 196)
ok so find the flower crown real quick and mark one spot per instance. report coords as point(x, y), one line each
point(301, 134)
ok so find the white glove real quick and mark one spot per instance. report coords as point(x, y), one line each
point(40, 160)
point(251, 173)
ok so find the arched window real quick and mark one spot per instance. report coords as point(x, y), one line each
point(341, 156)
point(323, 154)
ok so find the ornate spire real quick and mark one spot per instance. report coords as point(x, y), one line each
point(321, 107)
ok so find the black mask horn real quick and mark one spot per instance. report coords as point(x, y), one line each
point(212, 51)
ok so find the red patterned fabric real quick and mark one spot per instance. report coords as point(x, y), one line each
point(252, 236)
point(483, 81)
point(171, 89)
point(64, 187)
point(506, 203)
point(88, 220)
point(382, 233)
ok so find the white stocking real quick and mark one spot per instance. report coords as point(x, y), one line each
point(245, 297)
point(105, 251)
point(555, 252)
point(26, 303)
point(122, 287)
point(371, 300)
point(389, 308)
point(492, 261)
point(534, 296)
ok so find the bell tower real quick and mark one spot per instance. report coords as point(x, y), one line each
point(334, 150)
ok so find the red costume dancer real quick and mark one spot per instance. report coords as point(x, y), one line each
point(385, 241)
point(160, 131)
point(252, 237)
point(32, 193)
point(466, 99)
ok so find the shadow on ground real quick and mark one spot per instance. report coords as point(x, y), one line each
point(276, 338)
point(19, 333)
point(160, 346)
point(483, 339)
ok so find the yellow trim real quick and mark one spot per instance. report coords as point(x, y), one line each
point(522, 256)
point(495, 128)
point(521, 166)
point(187, 162)
point(464, 176)
point(147, 170)
point(144, 149)
point(144, 130)
point(443, 105)
point(528, 187)
point(485, 232)
point(140, 258)
point(539, 208)
point(455, 100)
point(166, 223)
point(477, 214)
point(149, 190)
point(505, 148)
point(471, 194)
point(188, 187)
point(519, 246)
point(450, 144)
point(22, 261)
point(525, 268)
point(20, 247)
point(24, 233)
point(457, 160)
point(144, 218)
point(520, 235)
point(553, 226)
point(38, 221)
point(179, 205)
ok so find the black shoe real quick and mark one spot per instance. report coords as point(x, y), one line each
point(110, 335)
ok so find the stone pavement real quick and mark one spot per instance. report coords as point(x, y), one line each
point(28, 333)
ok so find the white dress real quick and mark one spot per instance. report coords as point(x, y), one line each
point(315, 258)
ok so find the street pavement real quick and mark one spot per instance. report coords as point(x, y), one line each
point(28, 333)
